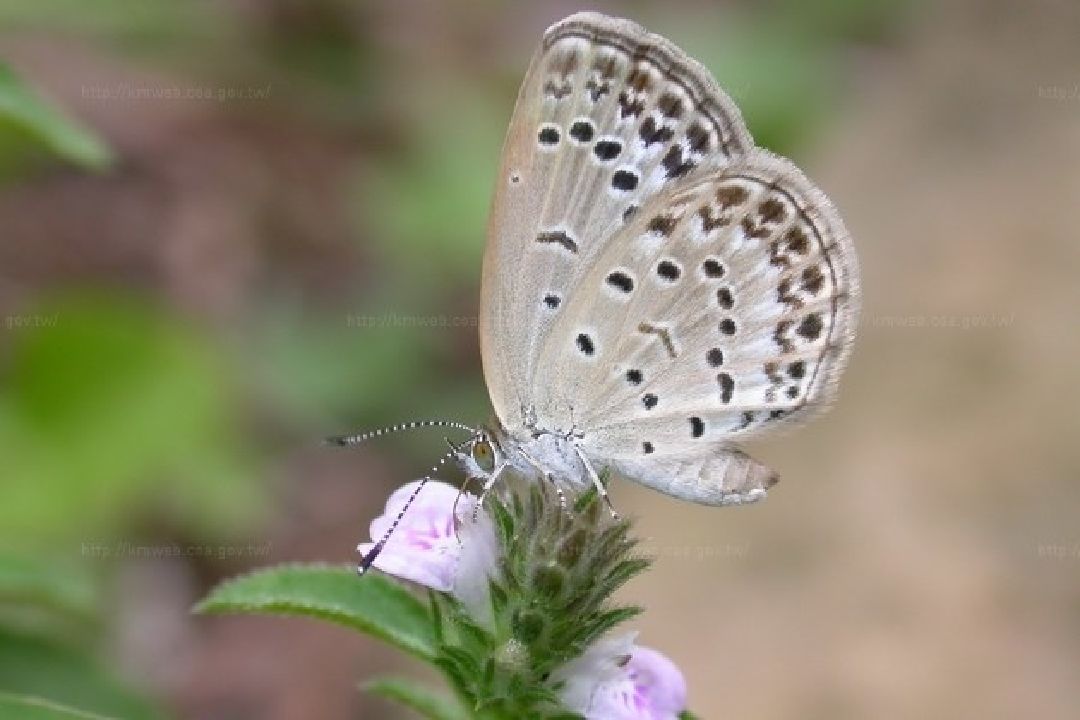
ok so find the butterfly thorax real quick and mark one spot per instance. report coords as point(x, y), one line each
point(550, 455)
point(538, 455)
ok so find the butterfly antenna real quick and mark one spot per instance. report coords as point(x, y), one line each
point(349, 440)
point(373, 553)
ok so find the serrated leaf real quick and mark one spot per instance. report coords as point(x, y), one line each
point(498, 598)
point(607, 620)
point(626, 570)
point(371, 604)
point(470, 633)
point(26, 707)
point(612, 540)
point(620, 575)
point(418, 698)
point(468, 666)
point(504, 523)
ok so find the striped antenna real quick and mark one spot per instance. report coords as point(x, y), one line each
point(373, 553)
point(349, 440)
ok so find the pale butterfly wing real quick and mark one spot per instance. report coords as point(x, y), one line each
point(653, 282)
point(608, 116)
point(724, 309)
point(731, 477)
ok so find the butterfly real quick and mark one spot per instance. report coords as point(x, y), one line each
point(656, 289)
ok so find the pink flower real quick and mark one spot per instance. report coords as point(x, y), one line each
point(431, 549)
point(617, 680)
point(614, 679)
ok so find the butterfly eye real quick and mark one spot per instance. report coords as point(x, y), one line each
point(484, 455)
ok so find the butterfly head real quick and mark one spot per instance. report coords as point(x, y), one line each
point(481, 456)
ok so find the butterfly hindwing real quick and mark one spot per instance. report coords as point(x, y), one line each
point(729, 477)
point(725, 309)
point(608, 116)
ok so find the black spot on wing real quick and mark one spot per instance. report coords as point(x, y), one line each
point(724, 298)
point(607, 150)
point(582, 131)
point(668, 270)
point(625, 180)
point(621, 281)
point(727, 387)
point(697, 427)
point(548, 136)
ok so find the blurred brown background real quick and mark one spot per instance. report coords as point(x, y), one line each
point(228, 229)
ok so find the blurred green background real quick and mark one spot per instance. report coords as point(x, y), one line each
point(228, 229)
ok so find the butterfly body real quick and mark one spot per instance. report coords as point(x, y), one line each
point(544, 455)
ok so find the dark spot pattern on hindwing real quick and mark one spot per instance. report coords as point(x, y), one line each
point(621, 281)
point(727, 387)
point(625, 180)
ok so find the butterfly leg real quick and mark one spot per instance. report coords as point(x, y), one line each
point(549, 479)
point(562, 497)
point(595, 478)
point(488, 484)
point(454, 511)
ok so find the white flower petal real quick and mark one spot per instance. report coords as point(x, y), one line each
point(479, 554)
point(615, 680)
point(600, 663)
point(430, 548)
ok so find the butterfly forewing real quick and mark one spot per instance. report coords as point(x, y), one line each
point(608, 117)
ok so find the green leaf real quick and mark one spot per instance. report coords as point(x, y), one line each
point(504, 522)
point(467, 665)
point(435, 604)
point(623, 572)
point(22, 112)
point(371, 604)
point(608, 620)
point(33, 708)
point(46, 670)
point(425, 702)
